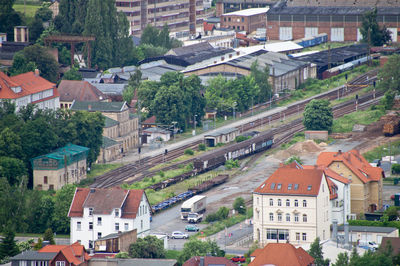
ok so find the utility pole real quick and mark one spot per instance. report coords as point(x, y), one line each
point(329, 56)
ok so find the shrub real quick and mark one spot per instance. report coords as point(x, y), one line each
point(189, 152)
point(241, 138)
point(396, 168)
point(161, 173)
point(202, 147)
point(221, 214)
point(220, 144)
point(229, 164)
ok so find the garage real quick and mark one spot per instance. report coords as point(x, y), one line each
point(285, 33)
point(337, 34)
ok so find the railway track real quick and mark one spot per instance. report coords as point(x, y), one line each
point(136, 171)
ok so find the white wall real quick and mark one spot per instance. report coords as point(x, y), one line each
point(342, 211)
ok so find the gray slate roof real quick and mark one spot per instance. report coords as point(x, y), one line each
point(107, 142)
point(194, 48)
point(221, 132)
point(110, 88)
point(98, 106)
point(375, 229)
point(34, 255)
point(108, 122)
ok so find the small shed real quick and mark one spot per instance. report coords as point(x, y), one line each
point(154, 133)
point(369, 233)
point(117, 242)
point(221, 136)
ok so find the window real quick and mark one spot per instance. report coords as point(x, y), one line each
point(272, 233)
point(90, 244)
point(90, 211)
point(309, 188)
point(304, 203)
point(45, 180)
point(288, 203)
point(51, 187)
point(304, 236)
point(22, 263)
point(90, 225)
point(296, 217)
point(279, 202)
point(242, 19)
point(116, 226)
point(271, 216)
point(283, 234)
point(279, 217)
point(298, 236)
point(287, 217)
point(273, 186)
point(60, 263)
point(289, 187)
point(116, 212)
point(126, 225)
point(78, 226)
point(296, 186)
point(271, 202)
point(99, 235)
point(296, 203)
point(305, 218)
point(279, 186)
point(98, 220)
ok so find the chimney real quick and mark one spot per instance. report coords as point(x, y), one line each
point(339, 152)
point(237, 53)
point(37, 72)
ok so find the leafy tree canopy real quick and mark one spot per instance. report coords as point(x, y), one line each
point(318, 115)
point(316, 252)
point(196, 247)
point(371, 32)
point(149, 247)
point(72, 74)
point(389, 75)
point(239, 205)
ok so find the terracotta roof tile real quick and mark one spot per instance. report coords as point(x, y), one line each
point(52, 248)
point(293, 182)
point(150, 120)
point(79, 90)
point(208, 27)
point(355, 162)
point(76, 209)
point(132, 203)
point(28, 82)
point(282, 254)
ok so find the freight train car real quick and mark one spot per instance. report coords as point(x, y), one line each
point(240, 150)
point(313, 41)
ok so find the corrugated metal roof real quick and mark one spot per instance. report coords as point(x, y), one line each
point(34, 255)
point(375, 229)
point(98, 106)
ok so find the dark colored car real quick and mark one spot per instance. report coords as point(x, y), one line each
point(239, 259)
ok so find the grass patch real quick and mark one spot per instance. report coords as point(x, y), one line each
point(379, 152)
point(325, 46)
point(298, 137)
point(172, 254)
point(99, 169)
point(30, 9)
point(346, 122)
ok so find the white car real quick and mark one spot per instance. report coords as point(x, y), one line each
point(369, 245)
point(179, 235)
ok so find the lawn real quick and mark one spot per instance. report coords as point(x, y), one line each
point(346, 122)
point(30, 9)
point(325, 46)
point(99, 169)
point(392, 148)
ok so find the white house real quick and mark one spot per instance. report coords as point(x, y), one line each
point(96, 212)
point(292, 205)
point(28, 88)
point(154, 133)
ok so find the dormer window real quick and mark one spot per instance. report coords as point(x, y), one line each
point(116, 212)
point(16, 89)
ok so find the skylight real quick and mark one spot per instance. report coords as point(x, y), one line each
point(289, 187)
point(296, 186)
point(279, 186)
point(273, 186)
point(309, 187)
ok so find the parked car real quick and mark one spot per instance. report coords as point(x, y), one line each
point(239, 259)
point(192, 228)
point(179, 235)
point(369, 245)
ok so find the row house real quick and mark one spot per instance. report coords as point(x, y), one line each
point(292, 205)
point(29, 88)
point(66, 165)
point(96, 213)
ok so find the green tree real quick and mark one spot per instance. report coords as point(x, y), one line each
point(63, 200)
point(342, 260)
point(149, 247)
point(133, 84)
point(196, 247)
point(72, 74)
point(239, 205)
point(292, 159)
point(392, 213)
point(150, 35)
point(12, 169)
point(49, 236)
point(318, 115)
point(43, 14)
point(8, 18)
point(8, 246)
point(261, 78)
point(41, 207)
point(10, 143)
point(124, 46)
point(370, 30)
point(316, 252)
point(21, 65)
point(389, 75)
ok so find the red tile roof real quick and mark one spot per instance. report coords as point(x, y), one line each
point(281, 254)
point(209, 260)
point(355, 162)
point(29, 83)
point(103, 201)
point(208, 27)
point(300, 180)
point(75, 253)
point(79, 90)
point(150, 120)
point(52, 248)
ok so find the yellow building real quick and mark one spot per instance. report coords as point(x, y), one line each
point(366, 180)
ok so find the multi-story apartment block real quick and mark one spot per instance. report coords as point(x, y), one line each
point(96, 213)
point(366, 180)
point(179, 15)
point(28, 88)
point(292, 205)
point(66, 165)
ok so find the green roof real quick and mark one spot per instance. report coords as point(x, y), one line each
point(108, 122)
point(107, 142)
point(132, 116)
point(61, 157)
point(98, 106)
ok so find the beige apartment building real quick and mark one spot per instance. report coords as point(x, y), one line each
point(366, 180)
point(66, 165)
point(179, 15)
point(292, 205)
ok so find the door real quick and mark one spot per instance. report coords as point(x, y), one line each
point(393, 34)
point(285, 33)
point(310, 32)
point(337, 34)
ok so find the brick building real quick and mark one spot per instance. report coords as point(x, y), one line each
point(180, 15)
point(226, 6)
point(245, 20)
point(341, 20)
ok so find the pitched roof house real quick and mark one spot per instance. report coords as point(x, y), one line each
point(53, 255)
point(96, 212)
point(281, 254)
point(79, 90)
point(366, 180)
point(28, 88)
point(208, 261)
point(292, 205)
